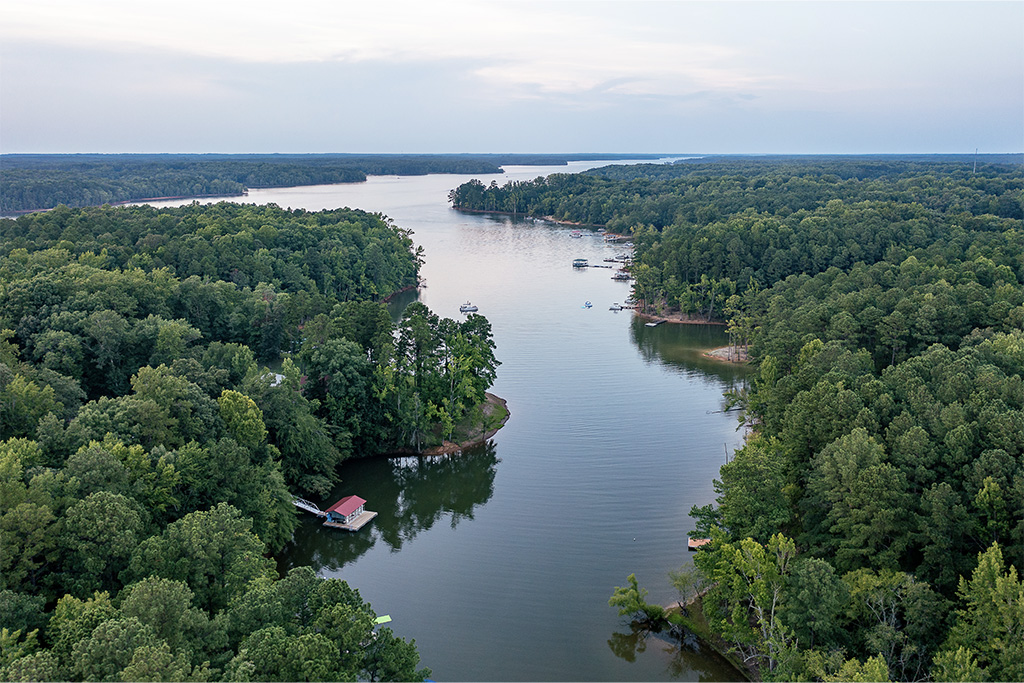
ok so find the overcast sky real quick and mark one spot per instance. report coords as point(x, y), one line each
point(511, 76)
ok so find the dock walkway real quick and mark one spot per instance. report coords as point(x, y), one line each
point(304, 504)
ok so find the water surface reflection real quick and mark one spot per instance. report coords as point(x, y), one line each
point(685, 657)
point(409, 494)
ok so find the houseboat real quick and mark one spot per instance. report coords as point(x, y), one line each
point(579, 263)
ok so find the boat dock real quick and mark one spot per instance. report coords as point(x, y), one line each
point(582, 263)
point(349, 520)
point(354, 525)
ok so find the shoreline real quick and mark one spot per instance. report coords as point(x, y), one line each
point(517, 214)
point(728, 354)
point(678, 319)
point(691, 613)
point(491, 403)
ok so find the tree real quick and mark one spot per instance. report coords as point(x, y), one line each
point(214, 552)
point(38, 666)
point(389, 658)
point(100, 533)
point(159, 663)
point(988, 634)
point(745, 602)
point(165, 606)
point(74, 620)
point(243, 418)
point(225, 472)
point(309, 458)
point(814, 604)
point(864, 504)
point(631, 601)
point(896, 616)
point(270, 654)
point(110, 648)
point(22, 404)
point(753, 498)
point(871, 671)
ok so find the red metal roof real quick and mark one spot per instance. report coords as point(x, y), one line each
point(347, 505)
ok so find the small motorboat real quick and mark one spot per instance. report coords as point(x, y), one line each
point(467, 308)
point(615, 307)
point(575, 233)
point(587, 304)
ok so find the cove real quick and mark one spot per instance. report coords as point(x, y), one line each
point(500, 561)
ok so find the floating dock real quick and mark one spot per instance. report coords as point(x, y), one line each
point(354, 519)
point(356, 524)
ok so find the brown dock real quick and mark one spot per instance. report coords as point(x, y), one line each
point(356, 524)
point(695, 543)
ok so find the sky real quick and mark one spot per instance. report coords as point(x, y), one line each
point(511, 76)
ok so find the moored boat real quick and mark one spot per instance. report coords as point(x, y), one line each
point(467, 308)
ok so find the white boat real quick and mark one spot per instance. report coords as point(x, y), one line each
point(467, 308)
point(615, 307)
point(575, 233)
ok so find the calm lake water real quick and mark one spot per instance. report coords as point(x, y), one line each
point(500, 562)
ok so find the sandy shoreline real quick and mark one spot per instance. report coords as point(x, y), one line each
point(728, 354)
point(678, 319)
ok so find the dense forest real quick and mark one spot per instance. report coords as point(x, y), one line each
point(32, 182)
point(148, 456)
point(872, 526)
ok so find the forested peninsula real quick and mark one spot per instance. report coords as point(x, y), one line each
point(872, 526)
point(148, 456)
point(34, 182)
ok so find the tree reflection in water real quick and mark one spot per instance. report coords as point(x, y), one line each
point(409, 494)
point(684, 655)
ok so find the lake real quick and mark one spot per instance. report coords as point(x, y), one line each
point(500, 561)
